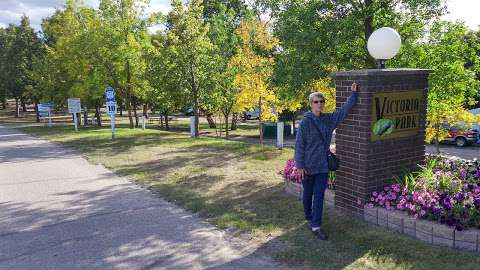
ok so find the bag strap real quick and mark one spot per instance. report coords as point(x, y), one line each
point(320, 133)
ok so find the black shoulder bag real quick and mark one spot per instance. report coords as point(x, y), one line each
point(332, 159)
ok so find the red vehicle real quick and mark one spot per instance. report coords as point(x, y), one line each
point(461, 137)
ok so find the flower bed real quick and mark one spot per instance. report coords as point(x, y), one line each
point(293, 185)
point(290, 174)
point(445, 191)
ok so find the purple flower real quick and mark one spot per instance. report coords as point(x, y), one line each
point(451, 221)
point(442, 219)
point(415, 196)
point(477, 202)
point(436, 211)
point(447, 203)
point(477, 174)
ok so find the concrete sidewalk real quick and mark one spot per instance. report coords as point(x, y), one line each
point(57, 211)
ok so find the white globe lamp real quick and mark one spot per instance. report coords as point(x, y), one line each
point(383, 44)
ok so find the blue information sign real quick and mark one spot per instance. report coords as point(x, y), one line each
point(109, 94)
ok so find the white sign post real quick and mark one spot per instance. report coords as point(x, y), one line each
point(111, 106)
point(192, 126)
point(280, 134)
point(74, 107)
point(143, 122)
point(44, 109)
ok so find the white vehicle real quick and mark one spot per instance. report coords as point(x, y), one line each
point(255, 114)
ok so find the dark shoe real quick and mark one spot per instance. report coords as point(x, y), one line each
point(320, 234)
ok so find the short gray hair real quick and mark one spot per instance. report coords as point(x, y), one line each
point(315, 94)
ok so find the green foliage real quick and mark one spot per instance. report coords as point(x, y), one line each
point(19, 46)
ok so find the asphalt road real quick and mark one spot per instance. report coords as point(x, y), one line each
point(57, 211)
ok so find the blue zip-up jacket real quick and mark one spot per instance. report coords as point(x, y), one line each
point(310, 150)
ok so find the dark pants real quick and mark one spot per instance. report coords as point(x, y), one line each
point(314, 186)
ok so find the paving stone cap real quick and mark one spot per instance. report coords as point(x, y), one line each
point(380, 72)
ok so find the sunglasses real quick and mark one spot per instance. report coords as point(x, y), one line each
point(318, 101)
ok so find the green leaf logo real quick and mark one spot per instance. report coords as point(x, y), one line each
point(383, 127)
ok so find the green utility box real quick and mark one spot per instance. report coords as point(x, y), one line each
point(270, 130)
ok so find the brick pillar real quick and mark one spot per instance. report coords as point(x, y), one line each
point(371, 158)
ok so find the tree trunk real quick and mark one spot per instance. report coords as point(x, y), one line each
point(161, 120)
point(4, 103)
point(293, 122)
point(24, 106)
point(120, 107)
point(135, 111)
point(196, 100)
point(260, 119)
point(145, 110)
point(129, 94)
point(167, 127)
point(211, 122)
point(97, 114)
point(226, 126)
point(234, 121)
point(37, 114)
point(17, 108)
point(85, 116)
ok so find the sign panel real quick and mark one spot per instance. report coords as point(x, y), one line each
point(395, 114)
point(111, 107)
point(109, 94)
point(44, 108)
point(74, 105)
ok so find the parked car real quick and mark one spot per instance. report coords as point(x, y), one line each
point(255, 114)
point(460, 136)
point(188, 111)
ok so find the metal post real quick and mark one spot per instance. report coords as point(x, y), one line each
point(112, 123)
point(143, 122)
point(75, 120)
point(192, 126)
point(49, 120)
point(280, 134)
point(381, 63)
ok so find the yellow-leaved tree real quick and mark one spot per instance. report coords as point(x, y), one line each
point(325, 87)
point(253, 65)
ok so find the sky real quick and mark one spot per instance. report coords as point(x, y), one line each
point(12, 10)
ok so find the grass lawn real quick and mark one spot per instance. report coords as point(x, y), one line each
point(233, 184)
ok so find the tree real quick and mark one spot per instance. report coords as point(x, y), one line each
point(190, 37)
point(319, 37)
point(169, 88)
point(6, 38)
point(22, 46)
point(253, 64)
point(125, 41)
point(223, 23)
point(453, 84)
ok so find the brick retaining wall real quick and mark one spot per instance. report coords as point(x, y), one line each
point(424, 230)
